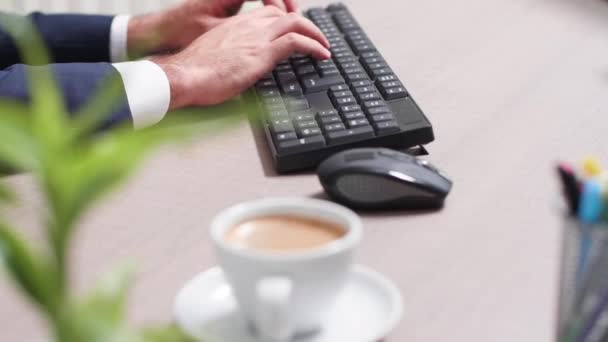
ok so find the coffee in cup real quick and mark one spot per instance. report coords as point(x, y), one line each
point(283, 233)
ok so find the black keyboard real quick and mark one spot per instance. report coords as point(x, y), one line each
point(312, 109)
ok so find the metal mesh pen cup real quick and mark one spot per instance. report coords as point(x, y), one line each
point(583, 294)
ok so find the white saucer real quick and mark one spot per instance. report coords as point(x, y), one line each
point(367, 309)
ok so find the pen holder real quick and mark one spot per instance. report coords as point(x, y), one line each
point(583, 293)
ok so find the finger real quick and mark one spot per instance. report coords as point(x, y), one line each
point(266, 11)
point(292, 5)
point(278, 3)
point(296, 23)
point(292, 43)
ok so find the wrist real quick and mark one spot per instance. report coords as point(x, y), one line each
point(146, 35)
point(177, 82)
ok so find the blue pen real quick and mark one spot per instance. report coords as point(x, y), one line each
point(591, 203)
point(589, 212)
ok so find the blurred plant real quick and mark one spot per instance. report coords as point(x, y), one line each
point(75, 165)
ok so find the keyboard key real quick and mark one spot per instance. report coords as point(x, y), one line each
point(285, 136)
point(338, 56)
point(309, 132)
point(369, 97)
point(341, 101)
point(269, 101)
point(361, 83)
point(360, 48)
point(371, 104)
point(394, 93)
point(286, 76)
point(364, 90)
point(350, 135)
point(305, 70)
point(324, 113)
point(266, 83)
point(269, 92)
point(296, 104)
point(334, 127)
point(386, 78)
point(306, 124)
point(304, 117)
point(316, 84)
point(349, 108)
point(326, 120)
point(336, 40)
point(357, 122)
point(329, 72)
point(351, 38)
point(382, 117)
point(390, 84)
point(301, 61)
point(377, 110)
point(355, 70)
point(301, 145)
point(348, 59)
point(366, 62)
point(337, 94)
point(370, 54)
point(372, 66)
point(283, 67)
point(386, 127)
point(349, 65)
point(355, 77)
point(281, 127)
point(326, 64)
point(275, 107)
point(354, 115)
point(375, 73)
point(338, 50)
point(277, 114)
point(292, 89)
point(339, 87)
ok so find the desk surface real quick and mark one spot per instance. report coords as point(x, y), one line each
point(510, 86)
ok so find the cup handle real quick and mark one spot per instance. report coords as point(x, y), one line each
point(273, 299)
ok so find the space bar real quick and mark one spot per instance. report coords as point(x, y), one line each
point(316, 84)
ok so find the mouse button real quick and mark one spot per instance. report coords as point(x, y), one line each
point(395, 155)
point(365, 188)
point(356, 156)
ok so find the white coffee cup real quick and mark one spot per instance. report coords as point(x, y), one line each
point(283, 294)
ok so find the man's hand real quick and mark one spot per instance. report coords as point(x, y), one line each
point(174, 29)
point(233, 56)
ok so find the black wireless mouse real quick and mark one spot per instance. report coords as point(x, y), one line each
point(380, 178)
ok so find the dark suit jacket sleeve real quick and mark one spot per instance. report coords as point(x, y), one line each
point(69, 38)
point(78, 82)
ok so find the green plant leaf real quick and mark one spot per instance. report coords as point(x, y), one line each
point(100, 316)
point(18, 147)
point(36, 278)
point(108, 97)
point(109, 296)
point(48, 112)
point(170, 333)
point(6, 195)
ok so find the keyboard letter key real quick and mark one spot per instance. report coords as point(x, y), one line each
point(301, 145)
point(350, 135)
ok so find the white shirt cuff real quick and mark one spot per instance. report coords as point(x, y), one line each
point(118, 39)
point(148, 91)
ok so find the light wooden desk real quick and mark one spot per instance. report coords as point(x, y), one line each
point(510, 86)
